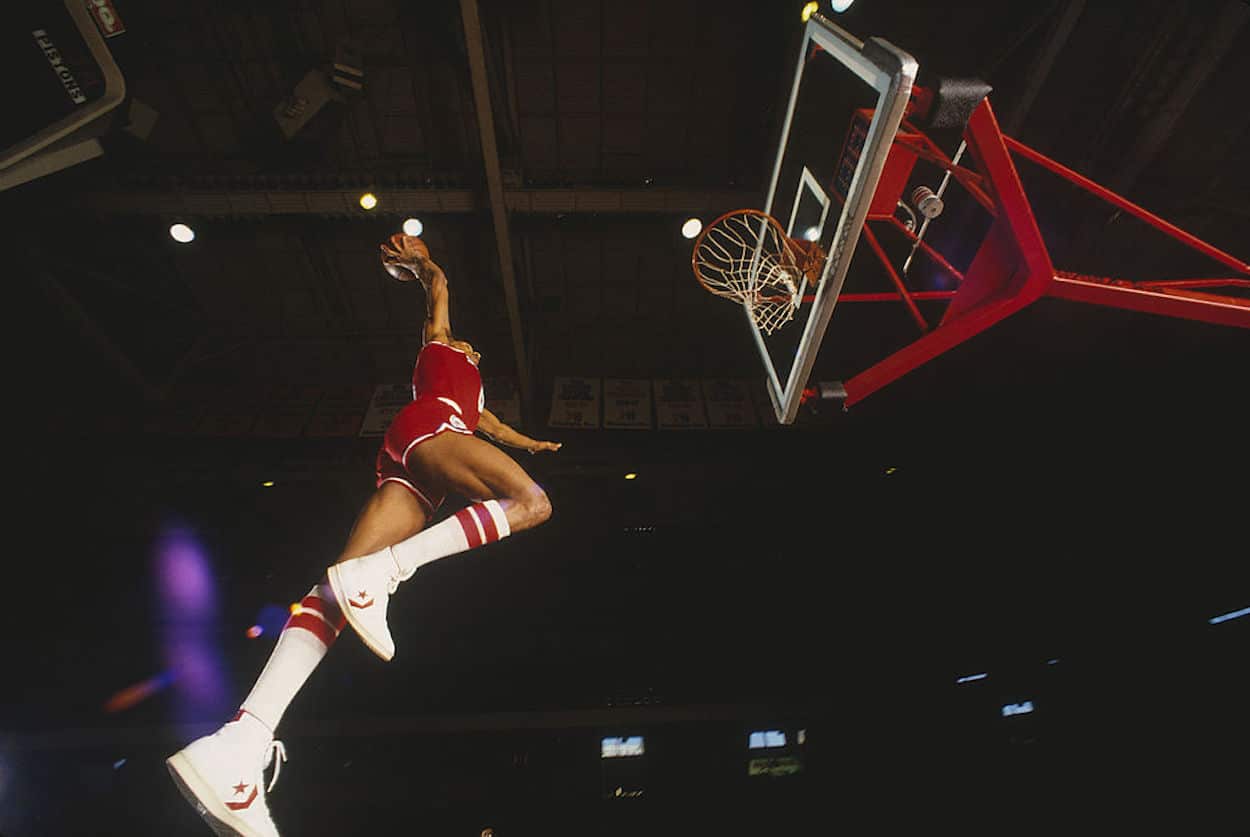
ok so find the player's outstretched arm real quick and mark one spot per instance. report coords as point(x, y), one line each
point(437, 302)
point(406, 258)
point(491, 426)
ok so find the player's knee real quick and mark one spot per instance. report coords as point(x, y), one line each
point(537, 504)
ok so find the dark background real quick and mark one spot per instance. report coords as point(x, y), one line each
point(1067, 486)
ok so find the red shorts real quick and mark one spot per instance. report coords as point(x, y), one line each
point(421, 420)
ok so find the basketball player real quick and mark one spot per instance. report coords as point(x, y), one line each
point(429, 450)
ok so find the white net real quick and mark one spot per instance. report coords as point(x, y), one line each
point(746, 256)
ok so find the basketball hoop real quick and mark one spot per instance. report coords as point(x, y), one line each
point(745, 255)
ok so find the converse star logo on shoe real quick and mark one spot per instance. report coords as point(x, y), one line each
point(240, 789)
point(362, 600)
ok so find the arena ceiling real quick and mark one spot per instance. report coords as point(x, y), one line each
point(1082, 453)
point(613, 122)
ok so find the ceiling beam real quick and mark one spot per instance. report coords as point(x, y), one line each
point(1153, 133)
point(85, 325)
point(1221, 36)
point(1045, 62)
point(495, 191)
point(249, 202)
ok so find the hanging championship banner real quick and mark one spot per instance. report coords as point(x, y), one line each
point(230, 413)
point(286, 413)
point(679, 405)
point(503, 398)
point(177, 416)
point(729, 404)
point(338, 412)
point(763, 403)
point(626, 404)
point(388, 400)
point(575, 404)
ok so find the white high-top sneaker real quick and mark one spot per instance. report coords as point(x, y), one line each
point(222, 776)
point(362, 587)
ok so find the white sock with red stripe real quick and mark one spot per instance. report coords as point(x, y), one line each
point(304, 641)
point(472, 526)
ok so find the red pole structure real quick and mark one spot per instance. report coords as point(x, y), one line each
point(1189, 305)
point(1195, 283)
point(1128, 206)
point(895, 278)
point(924, 246)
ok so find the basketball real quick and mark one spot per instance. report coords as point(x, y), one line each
point(400, 253)
point(408, 247)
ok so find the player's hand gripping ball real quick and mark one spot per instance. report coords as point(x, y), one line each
point(404, 256)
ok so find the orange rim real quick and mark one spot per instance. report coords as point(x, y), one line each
point(811, 256)
point(698, 242)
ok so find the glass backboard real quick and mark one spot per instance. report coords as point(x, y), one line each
point(846, 105)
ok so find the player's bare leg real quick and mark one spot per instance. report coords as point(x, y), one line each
point(222, 775)
point(391, 515)
point(508, 500)
point(474, 468)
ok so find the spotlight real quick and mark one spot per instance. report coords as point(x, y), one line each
point(840, 6)
point(809, 10)
point(254, 631)
point(413, 226)
point(691, 228)
point(267, 484)
point(181, 233)
point(368, 200)
point(631, 476)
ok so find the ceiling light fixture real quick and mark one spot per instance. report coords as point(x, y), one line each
point(181, 233)
point(368, 200)
point(691, 228)
point(1235, 614)
point(413, 226)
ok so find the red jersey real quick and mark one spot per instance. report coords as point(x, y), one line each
point(447, 375)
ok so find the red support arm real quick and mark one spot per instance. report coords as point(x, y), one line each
point(929, 251)
point(1190, 305)
point(895, 278)
point(1128, 206)
point(1012, 268)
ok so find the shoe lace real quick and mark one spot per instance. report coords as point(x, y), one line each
point(393, 580)
point(275, 755)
